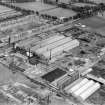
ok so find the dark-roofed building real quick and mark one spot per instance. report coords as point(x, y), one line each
point(53, 75)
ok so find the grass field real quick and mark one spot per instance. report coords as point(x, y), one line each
point(36, 6)
point(46, 9)
point(95, 23)
point(82, 4)
point(59, 12)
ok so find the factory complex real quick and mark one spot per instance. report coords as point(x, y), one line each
point(51, 53)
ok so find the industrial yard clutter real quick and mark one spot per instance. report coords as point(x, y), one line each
point(51, 53)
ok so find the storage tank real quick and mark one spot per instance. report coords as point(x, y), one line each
point(60, 49)
point(53, 45)
point(83, 88)
point(90, 91)
point(76, 87)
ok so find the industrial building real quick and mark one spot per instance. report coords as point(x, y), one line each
point(67, 80)
point(51, 76)
point(48, 53)
point(83, 89)
point(54, 46)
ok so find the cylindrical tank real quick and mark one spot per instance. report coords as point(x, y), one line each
point(90, 91)
point(83, 88)
point(78, 86)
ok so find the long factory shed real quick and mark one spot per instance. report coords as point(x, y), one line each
point(90, 91)
point(46, 42)
point(65, 47)
point(53, 45)
point(83, 89)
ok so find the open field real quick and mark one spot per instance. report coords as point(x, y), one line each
point(101, 30)
point(36, 6)
point(46, 9)
point(60, 12)
point(95, 23)
point(98, 98)
point(6, 76)
point(82, 4)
